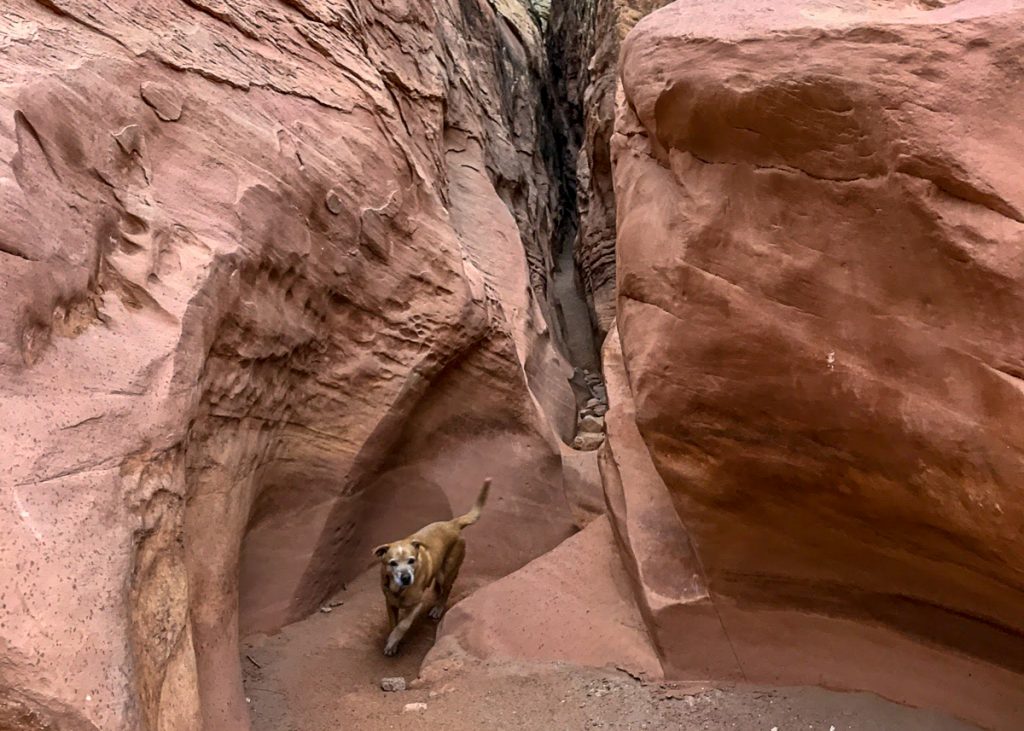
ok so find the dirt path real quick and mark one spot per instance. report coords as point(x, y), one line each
point(323, 674)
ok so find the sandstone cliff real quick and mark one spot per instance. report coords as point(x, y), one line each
point(275, 289)
point(820, 289)
point(814, 365)
point(284, 279)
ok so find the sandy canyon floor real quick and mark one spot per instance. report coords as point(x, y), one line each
point(323, 674)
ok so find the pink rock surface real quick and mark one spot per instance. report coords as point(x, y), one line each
point(278, 285)
point(273, 287)
point(581, 478)
point(574, 604)
point(819, 286)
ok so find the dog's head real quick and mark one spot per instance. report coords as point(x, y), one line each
point(401, 561)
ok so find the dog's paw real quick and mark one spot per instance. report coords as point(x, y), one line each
point(437, 612)
point(391, 648)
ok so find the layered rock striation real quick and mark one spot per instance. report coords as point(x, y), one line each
point(820, 282)
point(285, 280)
point(275, 289)
point(583, 41)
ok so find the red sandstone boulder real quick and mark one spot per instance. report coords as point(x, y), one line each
point(671, 589)
point(820, 297)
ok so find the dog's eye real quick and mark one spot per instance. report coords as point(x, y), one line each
point(412, 560)
point(392, 563)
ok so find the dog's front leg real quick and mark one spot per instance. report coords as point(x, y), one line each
point(400, 629)
point(392, 616)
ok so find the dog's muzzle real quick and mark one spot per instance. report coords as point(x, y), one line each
point(405, 579)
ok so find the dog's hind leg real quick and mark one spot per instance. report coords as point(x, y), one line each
point(447, 575)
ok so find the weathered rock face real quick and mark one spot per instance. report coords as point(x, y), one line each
point(274, 287)
point(574, 604)
point(820, 290)
point(583, 46)
point(282, 281)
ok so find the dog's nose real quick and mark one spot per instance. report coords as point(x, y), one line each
point(406, 580)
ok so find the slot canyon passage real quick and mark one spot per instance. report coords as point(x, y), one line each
point(728, 297)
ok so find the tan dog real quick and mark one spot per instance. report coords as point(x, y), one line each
point(421, 568)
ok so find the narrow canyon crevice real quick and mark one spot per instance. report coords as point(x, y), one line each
point(583, 41)
point(287, 280)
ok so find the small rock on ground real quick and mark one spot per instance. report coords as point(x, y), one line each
point(445, 690)
point(392, 684)
point(588, 442)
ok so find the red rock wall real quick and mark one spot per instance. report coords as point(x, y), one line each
point(277, 283)
point(274, 285)
point(820, 289)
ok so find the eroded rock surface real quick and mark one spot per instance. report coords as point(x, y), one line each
point(819, 295)
point(574, 604)
point(282, 281)
point(274, 285)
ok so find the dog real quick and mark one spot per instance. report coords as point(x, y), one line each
point(421, 568)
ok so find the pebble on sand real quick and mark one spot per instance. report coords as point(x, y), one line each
point(392, 684)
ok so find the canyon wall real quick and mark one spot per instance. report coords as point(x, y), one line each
point(283, 280)
point(820, 346)
point(275, 283)
point(813, 363)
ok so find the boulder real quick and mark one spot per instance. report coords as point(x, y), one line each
point(587, 441)
point(392, 685)
point(671, 588)
point(819, 288)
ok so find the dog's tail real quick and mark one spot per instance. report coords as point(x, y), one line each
point(474, 513)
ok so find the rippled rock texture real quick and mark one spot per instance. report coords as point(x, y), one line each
point(283, 280)
point(274, 284)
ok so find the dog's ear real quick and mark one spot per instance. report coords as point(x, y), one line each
point(417, 545)
point(381, 550)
